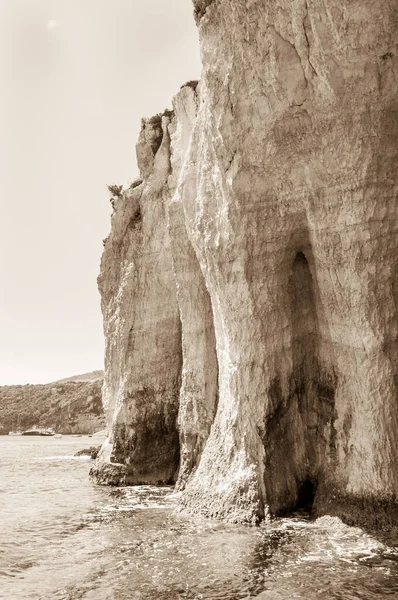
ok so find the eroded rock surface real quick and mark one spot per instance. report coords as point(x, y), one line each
point(269, 213)
point(142, 326)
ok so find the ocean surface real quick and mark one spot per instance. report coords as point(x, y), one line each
point(64, 538)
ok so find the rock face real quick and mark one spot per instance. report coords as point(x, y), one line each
point(250, 283)
point(142, 325)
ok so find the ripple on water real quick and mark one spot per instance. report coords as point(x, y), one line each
point(56, 458)
point(67, 539)
point(162, 555)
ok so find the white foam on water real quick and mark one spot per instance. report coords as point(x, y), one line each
point(66, 457)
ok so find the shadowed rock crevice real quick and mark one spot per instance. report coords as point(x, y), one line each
point(199, 389)
point(306, 496)
point(145, 447)
point(390, 345)
point(295, 434)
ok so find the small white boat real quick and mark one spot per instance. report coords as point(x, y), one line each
point(49, 432)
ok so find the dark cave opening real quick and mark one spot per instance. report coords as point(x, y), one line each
point(306, 496)
point(301, 258)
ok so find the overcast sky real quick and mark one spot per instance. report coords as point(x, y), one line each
point(76, 77)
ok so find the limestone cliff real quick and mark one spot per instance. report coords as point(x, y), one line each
point(250, 282)
point(142, 325)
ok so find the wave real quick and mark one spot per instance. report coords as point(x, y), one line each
point(66, 457)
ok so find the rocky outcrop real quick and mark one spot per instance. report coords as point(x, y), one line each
point(273, 186)
point(141, 324)
point(92, 452)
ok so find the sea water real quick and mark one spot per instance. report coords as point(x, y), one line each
point(64, 538)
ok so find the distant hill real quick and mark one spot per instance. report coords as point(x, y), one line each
point(71, 405)
point(92, 376)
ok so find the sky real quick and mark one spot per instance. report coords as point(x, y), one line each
point(76, 77)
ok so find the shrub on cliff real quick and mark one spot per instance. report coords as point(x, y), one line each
point(115, 190)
